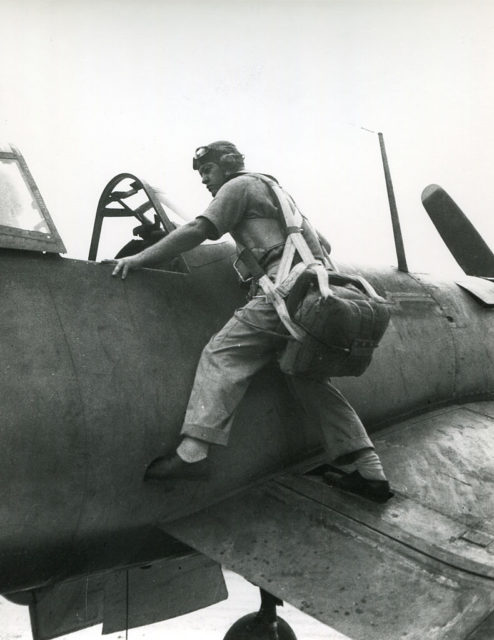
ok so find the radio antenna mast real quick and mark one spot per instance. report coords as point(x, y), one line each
point(400, 248)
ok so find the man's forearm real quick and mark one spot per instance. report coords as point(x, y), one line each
point(182, 239)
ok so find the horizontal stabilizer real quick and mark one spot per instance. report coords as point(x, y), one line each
point(419, 566)
point(460, 236)
point(480, 288)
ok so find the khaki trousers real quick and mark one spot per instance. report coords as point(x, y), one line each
point(230, 360)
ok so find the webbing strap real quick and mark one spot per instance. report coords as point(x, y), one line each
point(295, 238)
point(295, 241)
point(286, 262)
point(278, 302)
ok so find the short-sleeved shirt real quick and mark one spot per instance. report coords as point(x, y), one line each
point(246, 208)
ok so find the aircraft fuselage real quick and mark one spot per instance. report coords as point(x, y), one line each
point(95, 380)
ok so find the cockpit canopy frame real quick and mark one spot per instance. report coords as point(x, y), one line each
point(118, 201)
point(25, 222)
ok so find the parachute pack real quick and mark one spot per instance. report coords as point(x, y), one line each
point(335, 320)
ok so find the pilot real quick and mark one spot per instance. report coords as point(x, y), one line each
point(243, 206)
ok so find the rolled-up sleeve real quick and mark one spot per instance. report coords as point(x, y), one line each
point(227, 207)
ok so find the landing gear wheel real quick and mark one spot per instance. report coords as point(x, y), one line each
point(263, 625)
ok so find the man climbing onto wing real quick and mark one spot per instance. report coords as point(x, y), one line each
point(244, 205)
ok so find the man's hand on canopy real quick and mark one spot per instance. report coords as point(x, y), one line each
point(123, 265)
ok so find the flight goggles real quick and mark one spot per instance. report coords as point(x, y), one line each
point(205, 154)
point(213, 152)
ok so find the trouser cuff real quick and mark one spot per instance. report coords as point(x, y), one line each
point(352, 452)
point(207, 434)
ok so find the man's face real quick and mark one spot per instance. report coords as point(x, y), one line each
point(212, 176)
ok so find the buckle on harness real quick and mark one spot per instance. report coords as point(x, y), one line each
point(242, 270)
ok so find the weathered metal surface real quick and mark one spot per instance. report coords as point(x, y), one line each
point(413, 369)
point(384, 558)
point(480, 288)
point(344, 573)
point(127, 598)
point(164, 590)
point(441, 467)
point(445, 462)
point(95, 382)
point(92, 392)
point(470, 327)
point(67, 607)
point(484, 631)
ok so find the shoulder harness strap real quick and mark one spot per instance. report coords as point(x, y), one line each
point(295, 242)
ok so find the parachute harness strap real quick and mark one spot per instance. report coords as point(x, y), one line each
point(286, 276)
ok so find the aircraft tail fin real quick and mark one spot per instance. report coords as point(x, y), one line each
point(460, 236)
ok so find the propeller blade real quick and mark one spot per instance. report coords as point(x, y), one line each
point(460, 236)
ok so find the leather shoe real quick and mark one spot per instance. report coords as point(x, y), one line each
point(376, 490)
point(173, 466)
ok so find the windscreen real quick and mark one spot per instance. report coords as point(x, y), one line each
point(18, 207)
point(25, 223)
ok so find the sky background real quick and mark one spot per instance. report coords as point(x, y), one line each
point(89, 89)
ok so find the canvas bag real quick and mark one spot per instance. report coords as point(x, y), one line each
point(341, 330)
point(335, 321)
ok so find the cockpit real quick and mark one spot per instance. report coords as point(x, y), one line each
point(25, 223)
point(126, 196)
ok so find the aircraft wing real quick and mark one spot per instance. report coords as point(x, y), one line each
point(419, 566)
